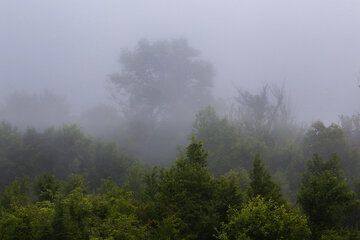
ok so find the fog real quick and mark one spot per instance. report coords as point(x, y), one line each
point(179, 119)
point(70, 47)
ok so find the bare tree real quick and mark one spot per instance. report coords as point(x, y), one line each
point(259, 113)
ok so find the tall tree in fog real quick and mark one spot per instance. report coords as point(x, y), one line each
point(261, 114)
point(161, 83)
point(156, 77)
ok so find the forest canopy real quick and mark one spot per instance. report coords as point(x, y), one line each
point(170, 161)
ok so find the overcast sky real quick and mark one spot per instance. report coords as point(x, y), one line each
point(70, 46)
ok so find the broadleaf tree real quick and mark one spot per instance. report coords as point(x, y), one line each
point(160, 87)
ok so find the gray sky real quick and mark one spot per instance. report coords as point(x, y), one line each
point(70, 46)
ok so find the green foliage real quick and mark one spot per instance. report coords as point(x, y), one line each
point(187, 189)
point(229, 149)
point(220, 136)
point(324, 195)
point(342, 234)
point(115, 213)
point(227, 193)
point(317, 165)
point(110, 215)
point(66, 151)
point(46, 187)
point(75, 181)
point(185, 201)
point(135, 179)
point(241, 178)
point(262, 184)
point(351, 128)
point(19, 219)
point(15, 194)
point(325, 141)
point(264, 219)
point(109, 162)
point(72, 219)
point(201, 196)
point(27, 222)
point(12, 161)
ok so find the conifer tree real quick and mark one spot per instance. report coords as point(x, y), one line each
point(262, 184)
point(324, 195)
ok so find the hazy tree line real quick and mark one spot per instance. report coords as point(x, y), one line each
point(252, 173)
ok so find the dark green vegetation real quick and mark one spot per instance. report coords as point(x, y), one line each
point(253, 173)
point(59, 184)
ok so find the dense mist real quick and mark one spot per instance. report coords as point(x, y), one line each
point(160, 119)
point(70, 48)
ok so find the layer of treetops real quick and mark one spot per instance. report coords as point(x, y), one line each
point(61, 184)
point(172, 162)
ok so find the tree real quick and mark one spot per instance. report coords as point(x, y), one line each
point(325, 140)
point(188, 190)
point(65, 150)
point(264, 219)
point(344, 234)
point(15, 195)
point(229, 149)
point(324, 195)
point(160, 87)
point(219, 135)
point(185, 201)
point(351, 127)
point(260, 114)
point(157, 76)
point(261, 183)
point(27, 222)
point(229, 193)
point(107, 215)
point(46, 187)
point(11, 153)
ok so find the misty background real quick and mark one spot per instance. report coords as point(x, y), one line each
point(264, 94)
point(70, 47)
